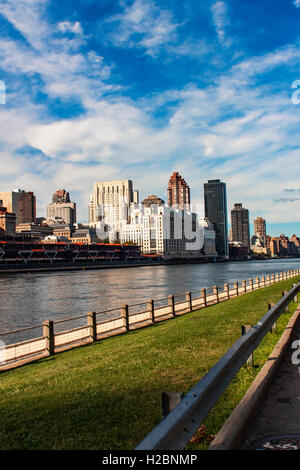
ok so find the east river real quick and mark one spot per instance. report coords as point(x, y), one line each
point(29, 299)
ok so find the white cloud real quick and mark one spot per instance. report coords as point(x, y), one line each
point(69, 27)
point(143, 24)
point(221, 21)
point(297, 3)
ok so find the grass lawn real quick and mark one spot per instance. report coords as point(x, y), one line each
point(107, 395)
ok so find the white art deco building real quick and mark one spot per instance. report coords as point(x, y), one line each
point(168, 231)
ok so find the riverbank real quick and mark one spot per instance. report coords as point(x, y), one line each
point(108, 394)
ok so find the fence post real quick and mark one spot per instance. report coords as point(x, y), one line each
point(125, 316)
point(188, 299)
point(203, 295)
point(92, 325)
point(263, 281)
point(236, 286)
point(171, 303)
point(273, 279)
point(244, 285)
point(48, 334)
point(245, 329)
point(251, 284)
point(258, 282)
point(274, 326)
point(150, 308)
point(226, 289)
point(216, 293)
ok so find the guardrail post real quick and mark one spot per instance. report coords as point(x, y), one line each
point(169, 400)
point(244, 285)
point(150, 308)
point(263, 281)
point(92, 325)
point(245, 329)
point(226, 289)
point(273, 279)
point(203, 295)
point(285, 292)
point(274, 326)
point(171, 303)
point(258, 282)
point(251, 284)
point(125, 316)
point(188, 299)
point(236, 286)
point(216, 293)
point(48, 334)
point(295, 299)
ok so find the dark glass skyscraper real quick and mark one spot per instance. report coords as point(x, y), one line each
point(240, 224)
point(215, 204)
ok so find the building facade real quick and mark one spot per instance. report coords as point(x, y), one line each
point(21, 203)
point(178, 192)
point(110, 204)
point(173, 233)
point(240, 225)
point(62, 208)
point(7, 222)
point(215, 208)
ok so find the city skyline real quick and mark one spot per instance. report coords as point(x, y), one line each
point(138, 89)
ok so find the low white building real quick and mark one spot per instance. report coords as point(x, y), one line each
point(168, 231)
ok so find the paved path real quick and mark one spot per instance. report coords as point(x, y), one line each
point(279, 412)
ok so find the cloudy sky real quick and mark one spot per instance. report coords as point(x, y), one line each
point(109, 89)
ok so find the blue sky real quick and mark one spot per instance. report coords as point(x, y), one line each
point(110, 89)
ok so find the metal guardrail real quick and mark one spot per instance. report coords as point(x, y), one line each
point(178, 427)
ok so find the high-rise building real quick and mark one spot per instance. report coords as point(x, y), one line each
point(21, 203)
point(260, 227)
point(62, 208)
point(178, 192)
point(240, 224)
point(110, 203)
point(215, 206)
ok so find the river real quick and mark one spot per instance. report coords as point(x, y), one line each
point(29, 299)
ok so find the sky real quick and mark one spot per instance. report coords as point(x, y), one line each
point(98, 90)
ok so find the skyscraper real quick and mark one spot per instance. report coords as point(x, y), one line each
point(110, 203)
point(260, 227)
point(240, 224)
point(178, 192)
point(21, 203)
point(215, 206)
point(62, 207)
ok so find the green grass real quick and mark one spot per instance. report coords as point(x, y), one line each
point(107, 395)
